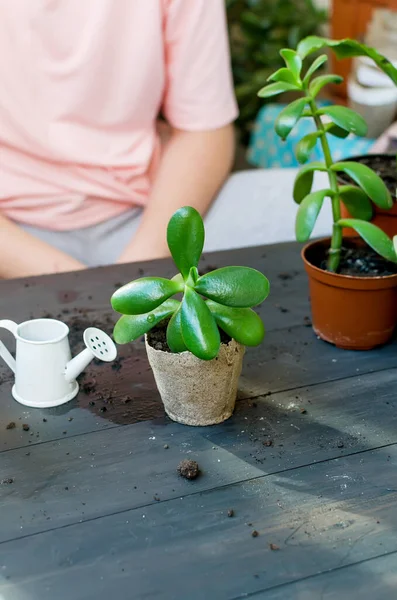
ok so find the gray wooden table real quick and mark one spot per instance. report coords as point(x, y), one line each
point(91, 503)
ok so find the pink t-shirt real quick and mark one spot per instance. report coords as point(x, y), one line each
point(81, 86)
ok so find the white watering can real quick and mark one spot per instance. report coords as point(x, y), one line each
point(45, 372)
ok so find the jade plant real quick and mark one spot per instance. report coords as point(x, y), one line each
point(222, 298)
point(337, 121)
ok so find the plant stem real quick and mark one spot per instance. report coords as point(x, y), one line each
point(337, 234)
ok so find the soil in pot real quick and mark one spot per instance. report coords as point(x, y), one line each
point(384, 165)
point(157, 337)
point(356, 308)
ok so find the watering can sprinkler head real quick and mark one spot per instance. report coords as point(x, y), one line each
point(98, 345)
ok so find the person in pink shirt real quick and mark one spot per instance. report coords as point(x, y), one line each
point(84, 176)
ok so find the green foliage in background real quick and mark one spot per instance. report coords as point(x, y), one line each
point(258, 30)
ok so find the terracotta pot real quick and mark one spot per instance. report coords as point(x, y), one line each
point(354, 313)
point(194, 391)
point(384, 219)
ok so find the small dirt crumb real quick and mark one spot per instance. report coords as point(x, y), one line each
point(25, 427)
point(103, 409)
point(44, 420)
point(230, 512)
point(307, 322)
point(303, 411)
point(8, 480)
point(340, 444)
point(155, 497)
point(188, 469)
point(254, 405)
point(254, 533)
point(91, 403)
point(274, 547)
point(70, 419)
point(66, 487)
point(378, 522)
point(166, 446)
point(64, 432)
point(27, 454)
point(268, 443)
point(11, 425)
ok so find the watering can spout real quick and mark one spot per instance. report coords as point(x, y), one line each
point(98, 345)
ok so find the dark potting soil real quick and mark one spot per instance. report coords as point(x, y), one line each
point(362, 262)
point(157, 337)
point(385, 166)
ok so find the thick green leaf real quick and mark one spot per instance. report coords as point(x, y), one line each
point(319, 82)
point(375, 237)
point(276, 88)
point(336, 131)
point(185, 238)
point(346, 118)
point(304, 180)
point(240, 287)
point(368, 181)
point(288, 117)
point(356, 201)
point(293, 61)
point(395, 244)
point(283, 75)
point(241, 324)
point(130, 327)
point(316, 64)
point(144, 295)
point(307, 214)
point(305, 146)
point(347, 49)
point(175, 339)
point(199, 329)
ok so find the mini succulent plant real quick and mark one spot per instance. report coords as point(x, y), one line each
point(222, 298)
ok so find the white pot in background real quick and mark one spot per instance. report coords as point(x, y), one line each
point(377, 105)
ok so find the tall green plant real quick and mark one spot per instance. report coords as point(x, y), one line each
point(220, 299)
point(337, 121)
point(258, 30)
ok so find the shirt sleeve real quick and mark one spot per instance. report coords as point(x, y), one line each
point(199, 92)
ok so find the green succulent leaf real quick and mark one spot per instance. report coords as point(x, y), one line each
point(319, 82)
point(240, 287)
point(357, 202)
point(130, 327)
point(185, 238)
point(288, 117)
point(199, 329)
point(305, 146)
point(346, 49)
point(336, 131)
point(368, 181)
point(293, 62)
point(276, 88)
point(284, 75)
point(373, 236)
point(346, 118)
point(144, 295)
point(304, 180)
point(307, 214)
point(241, 324)
point(316, 64)
point(175, 339)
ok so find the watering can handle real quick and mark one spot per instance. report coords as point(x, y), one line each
point(4, 353)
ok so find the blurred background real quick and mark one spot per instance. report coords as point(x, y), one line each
point(258, 29)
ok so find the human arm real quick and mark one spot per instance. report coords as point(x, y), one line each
point(23, 255)
point(193, 167)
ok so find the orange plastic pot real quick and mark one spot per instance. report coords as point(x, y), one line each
point(354, 313)
point(384, 219)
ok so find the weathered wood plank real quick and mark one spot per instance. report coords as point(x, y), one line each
point(374, 579)
point(122, 468)
point(318, 518)
point(286, 360)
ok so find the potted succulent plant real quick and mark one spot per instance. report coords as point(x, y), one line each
point(353, 282)
point(195, 346)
